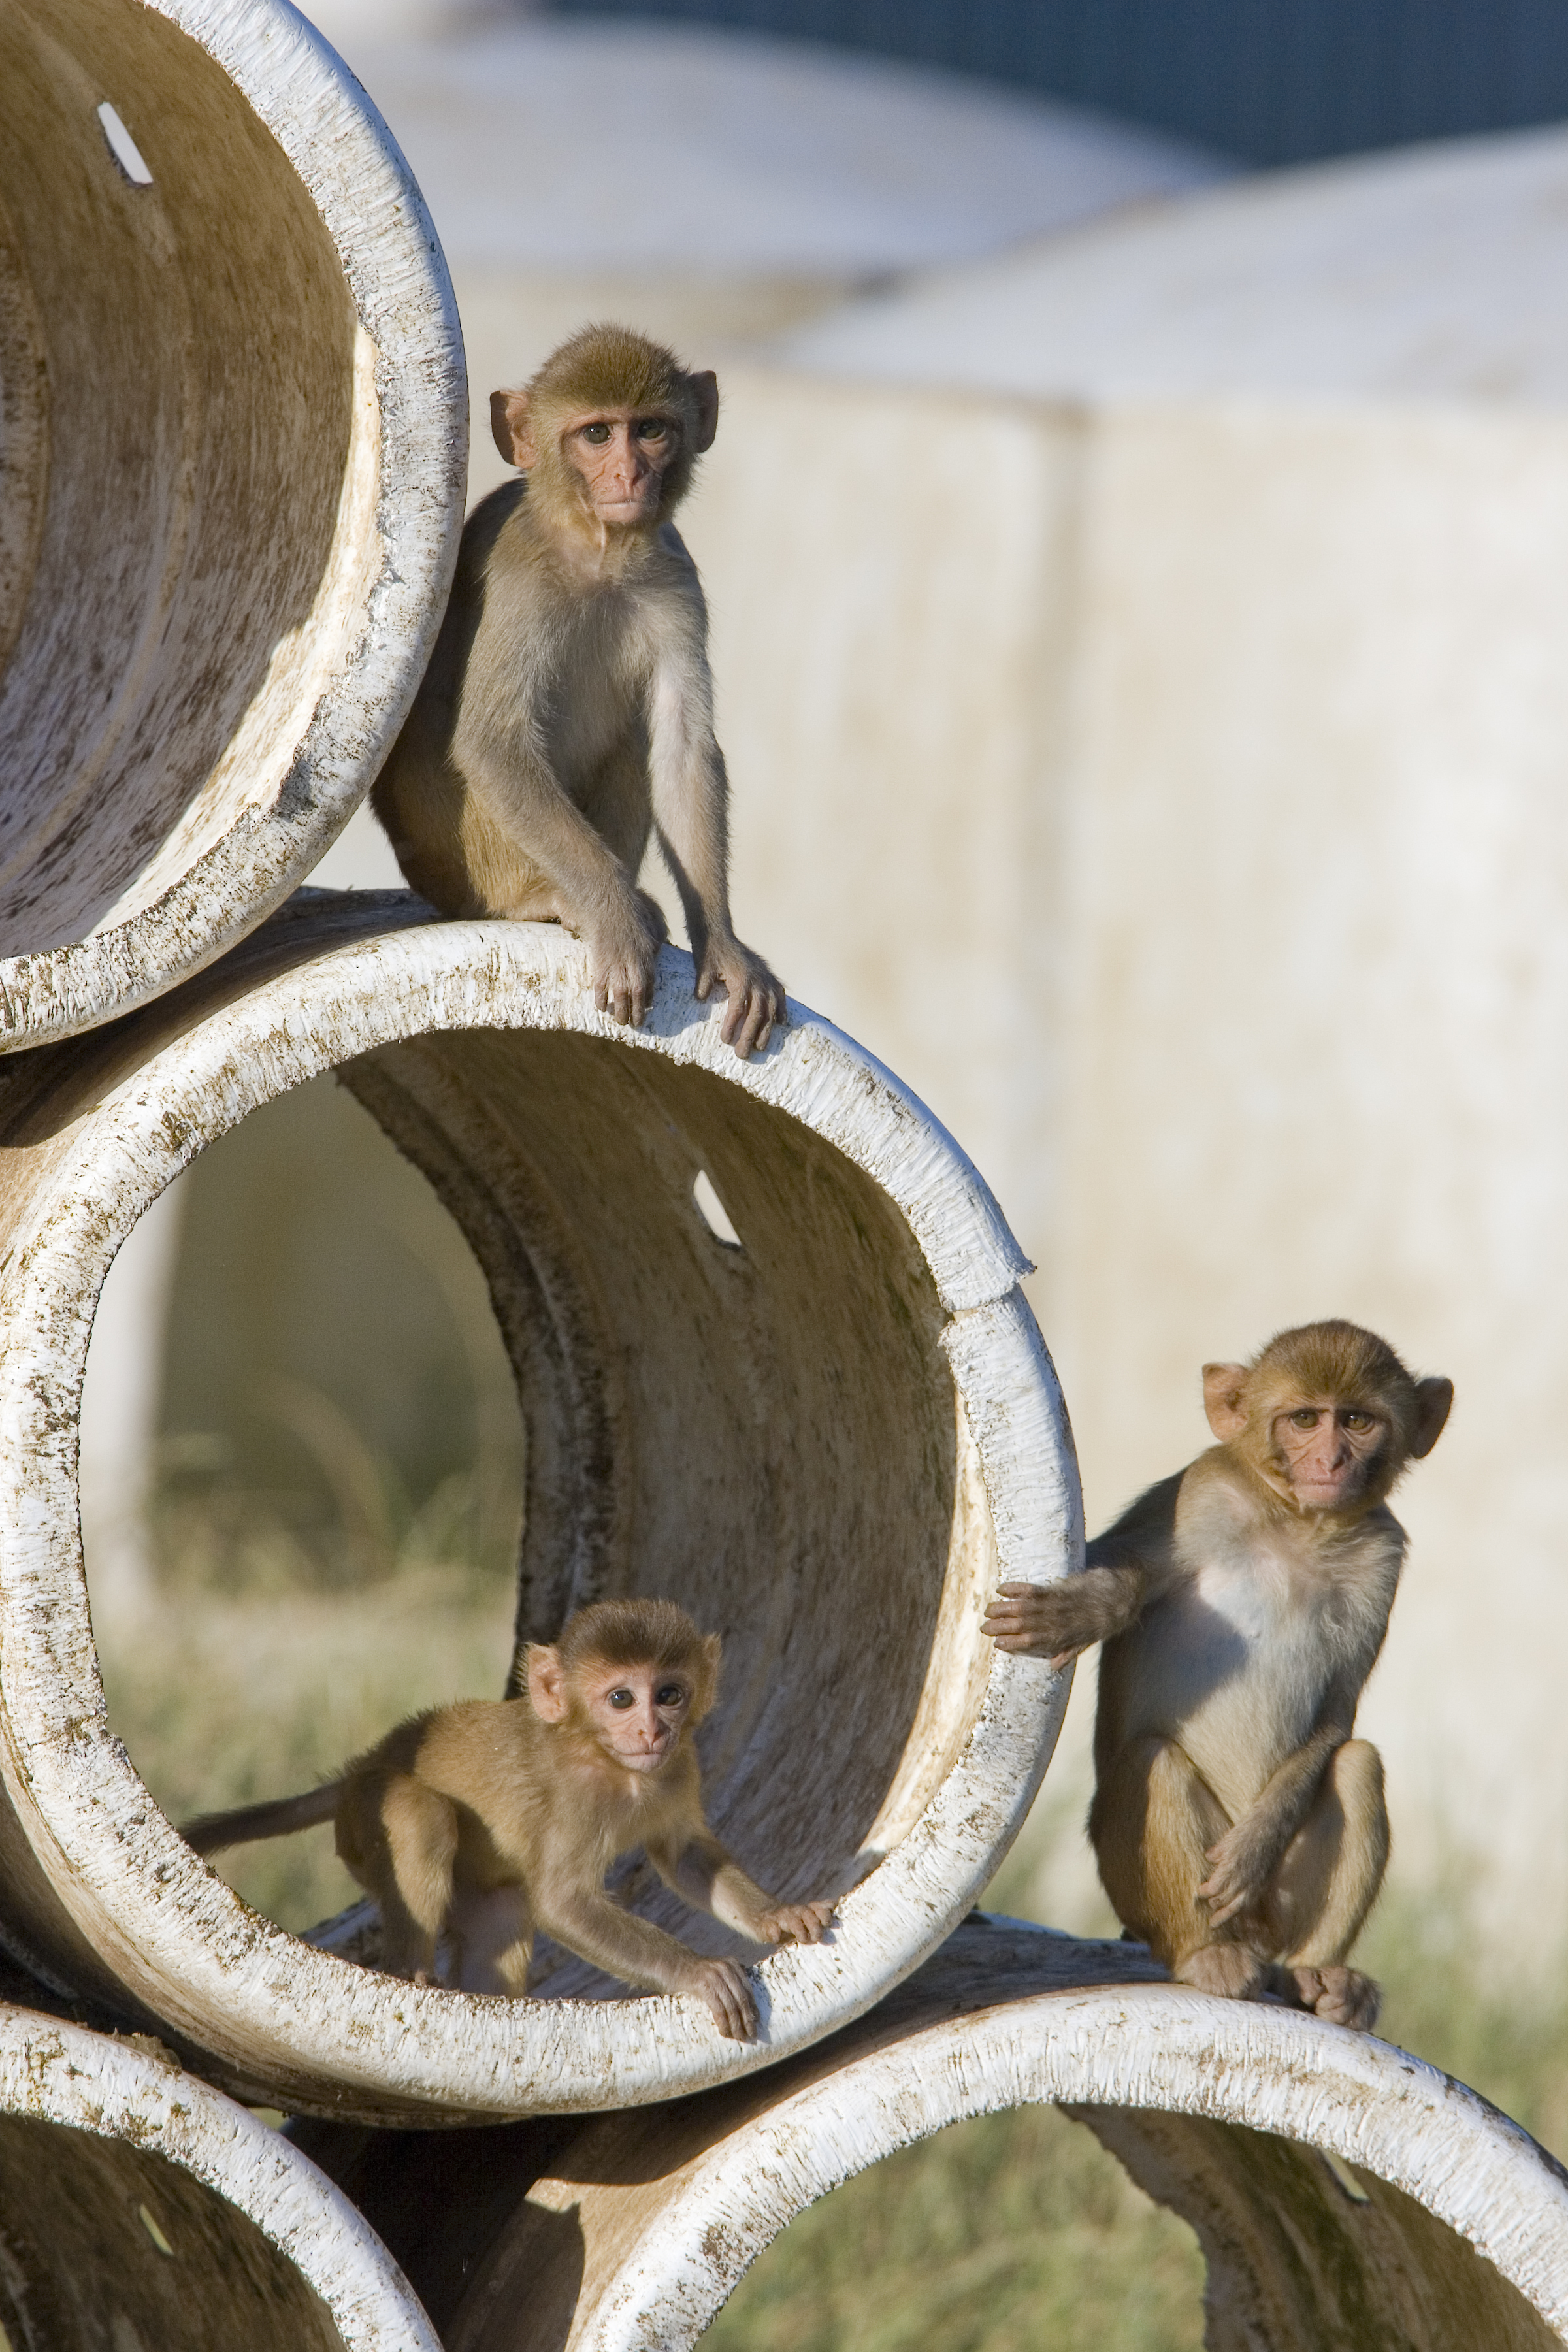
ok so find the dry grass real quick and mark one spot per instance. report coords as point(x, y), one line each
point(223, 1698)
point(1000, 2235)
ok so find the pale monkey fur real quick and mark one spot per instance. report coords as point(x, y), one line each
point(567, 711)
point(1240, 1829)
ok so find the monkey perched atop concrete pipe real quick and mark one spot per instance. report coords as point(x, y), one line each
point(568, 707)
point(1240, 1829)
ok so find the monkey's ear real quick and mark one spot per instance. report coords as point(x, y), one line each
point(1433, 1402)
point(1223, 1386)
point(709, 1651)
point(511, 428)
point(705, 391)
point(546, 1682)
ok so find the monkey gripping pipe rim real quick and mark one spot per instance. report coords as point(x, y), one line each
point(171, 2216)
point(231, 482)
point(829, 1443)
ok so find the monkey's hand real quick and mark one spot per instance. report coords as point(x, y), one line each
point(1240, 1865)
point(1057, 1621)
point(757, 1002)
point(722, 1985)
point(793, 1923)
point(624, 938)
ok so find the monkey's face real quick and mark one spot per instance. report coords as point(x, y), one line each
point(621, 456)
point(638, 1712)
point(1328, 1451)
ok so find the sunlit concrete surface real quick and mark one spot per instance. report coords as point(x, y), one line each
point(1347, 2197)
point(827, 1425)
point(231, 463)
point(139, 2207)
point(1432, 274)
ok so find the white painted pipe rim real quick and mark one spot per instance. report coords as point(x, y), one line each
point(127, 2088)
point(296, 2025)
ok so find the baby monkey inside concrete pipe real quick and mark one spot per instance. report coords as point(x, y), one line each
point(567, 711)
point(1240, 1829)
point(485, 1823)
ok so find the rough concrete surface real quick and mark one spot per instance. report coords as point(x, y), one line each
point(829, 1441)
point(1348, 2198)
point(231, 475)
point(143, 2210)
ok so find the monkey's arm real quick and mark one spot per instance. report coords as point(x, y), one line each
point(588, 1923)
point(703, 1874)
point(691, 803)
point(505, 767)
point(1125, 1569)
point(1245, 1858)
point(1057, 1621)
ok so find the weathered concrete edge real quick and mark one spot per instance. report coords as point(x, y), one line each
point(168, 1921)
point(1142, 2046)
point(126, 2090)
point(378, 221)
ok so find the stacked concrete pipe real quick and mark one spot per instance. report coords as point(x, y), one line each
point(233, 443)
point(140, 2209)
point(827, 1437)
point(770, 1344)
point(1347, 2198)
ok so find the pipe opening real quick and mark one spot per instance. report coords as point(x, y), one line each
point(303, 1473)
point(824, 1446)
point(123, 148)
point(205, 647)
point(713, 1212)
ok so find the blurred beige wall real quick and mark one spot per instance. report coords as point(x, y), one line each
point(1169, 781)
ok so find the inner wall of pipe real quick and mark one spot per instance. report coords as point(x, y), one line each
point(178, 371)
point(111, 2248)
point(765, 1430)
point(725, 1345)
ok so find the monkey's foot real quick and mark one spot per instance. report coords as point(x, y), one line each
point(1233, 1970)
point(1342, 1995)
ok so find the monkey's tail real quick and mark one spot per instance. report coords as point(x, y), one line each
point(209, 1832)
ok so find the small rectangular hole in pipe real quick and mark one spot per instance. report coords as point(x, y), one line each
point(149, 2222)
point(123, 148)
point(713, 1212)
point(1345, 2176)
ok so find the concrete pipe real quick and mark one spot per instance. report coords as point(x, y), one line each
point(233, 442)
point(828, 1435)
point(141, 2209)
point(1348, 2197)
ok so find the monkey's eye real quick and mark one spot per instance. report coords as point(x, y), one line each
point(1358, 1421)
point(652, 429)
point(623, 1698)
point(597, 434)
point(669, 1694)
point(1306, 1416)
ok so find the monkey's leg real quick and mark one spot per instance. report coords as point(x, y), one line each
point(1327, 1883)
point(495, 1930)
point(1154, 1820)
point(420, 1827)
point(617, 798)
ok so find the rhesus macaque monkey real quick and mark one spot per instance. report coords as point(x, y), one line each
point(492, 1820)
point(568, 707)
point(1240, 1829)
